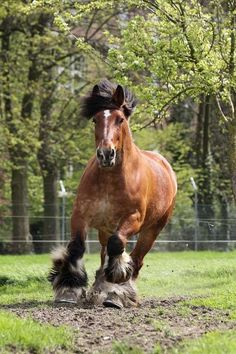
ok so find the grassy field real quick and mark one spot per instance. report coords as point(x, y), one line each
point(203, 279)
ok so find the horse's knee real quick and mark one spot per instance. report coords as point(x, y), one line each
point(68, 274)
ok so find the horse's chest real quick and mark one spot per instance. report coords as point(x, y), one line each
point(103, 208)
point(103, 214)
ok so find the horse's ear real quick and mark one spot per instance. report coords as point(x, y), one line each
point(119, 96)
point(96, 90)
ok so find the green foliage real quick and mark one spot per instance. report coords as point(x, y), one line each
point(165, 51)
point(175, 51)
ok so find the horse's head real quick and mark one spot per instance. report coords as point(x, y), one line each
point(109, 131)
point(110, 106)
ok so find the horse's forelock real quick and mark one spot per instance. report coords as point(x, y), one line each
point(103, 99)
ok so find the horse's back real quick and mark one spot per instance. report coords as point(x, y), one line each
point(162, 183)
point(163, 164)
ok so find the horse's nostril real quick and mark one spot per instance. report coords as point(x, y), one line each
point(99, 153)
point(112, 153)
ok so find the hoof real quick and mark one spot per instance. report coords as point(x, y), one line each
point(65, 301)
point(113, 301)
point(69, 296)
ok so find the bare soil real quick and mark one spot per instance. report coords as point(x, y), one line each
point(166, 322)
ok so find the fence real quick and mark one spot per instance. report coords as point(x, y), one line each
point(180, 234)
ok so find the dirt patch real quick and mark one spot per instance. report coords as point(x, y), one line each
point(166, 322)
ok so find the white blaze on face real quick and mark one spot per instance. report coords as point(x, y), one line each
point(107, 114)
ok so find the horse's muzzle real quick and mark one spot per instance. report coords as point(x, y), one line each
point(106, 156)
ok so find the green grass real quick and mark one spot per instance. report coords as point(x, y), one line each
point(187, 273)
point(24, 278)
point(210, 343)
point(29, 335)
point(163, 274)
point(208, 277)
point(123, 348)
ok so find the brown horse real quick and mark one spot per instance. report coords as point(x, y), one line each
point(123, 192)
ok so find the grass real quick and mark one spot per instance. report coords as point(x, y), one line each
point(210, 343)
point(24, 278)
point(187, 273)
point(29, 335)
point(209, 277)
point(123, 348)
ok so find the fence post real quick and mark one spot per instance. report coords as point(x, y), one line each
point(63, 195)
point(196, 234)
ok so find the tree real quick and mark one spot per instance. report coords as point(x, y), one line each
point(18, 92)
point(48, 110)
point(181, 49)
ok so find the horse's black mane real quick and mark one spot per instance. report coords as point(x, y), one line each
point(94, 103)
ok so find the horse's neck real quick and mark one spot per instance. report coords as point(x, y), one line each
point(130, 151)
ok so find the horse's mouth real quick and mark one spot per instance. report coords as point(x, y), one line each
point(108, 164)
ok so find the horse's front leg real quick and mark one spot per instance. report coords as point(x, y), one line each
point(119, 267)
point(68, 275)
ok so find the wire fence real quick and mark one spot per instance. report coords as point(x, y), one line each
point(180, 234)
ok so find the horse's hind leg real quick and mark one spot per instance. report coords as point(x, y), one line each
point(143, 246)
point(68, 275)
point(145, 242)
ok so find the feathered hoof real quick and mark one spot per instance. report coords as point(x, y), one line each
point(119, 269)
point(70, 295)
point(113, 301)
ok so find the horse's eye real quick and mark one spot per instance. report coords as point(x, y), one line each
point(119, 120)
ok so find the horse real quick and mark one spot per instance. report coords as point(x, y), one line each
point(123, 192)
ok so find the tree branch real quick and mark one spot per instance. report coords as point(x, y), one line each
point(157, 7)
point(166, 106)
point(221, 110)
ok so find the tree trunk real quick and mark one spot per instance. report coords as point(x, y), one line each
point(205, 195)
point(198, 136)
point(49, 166)
point(205, 140)
point(20, 219)
point(51, 210)
point(232, 154)
point(224, 232)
